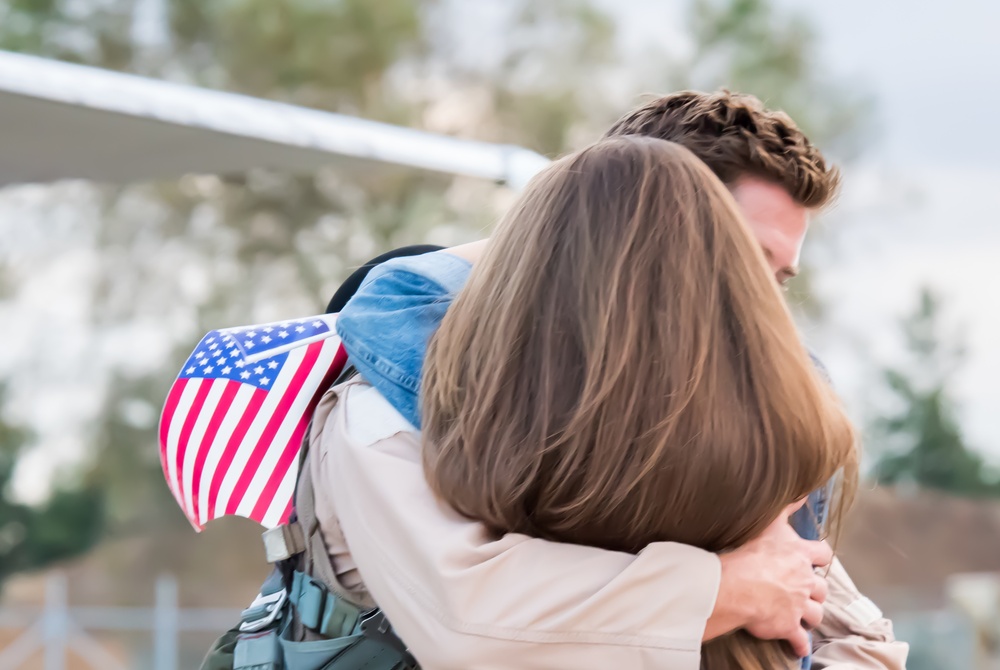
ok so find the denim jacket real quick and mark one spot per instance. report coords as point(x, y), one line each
point(386, 326)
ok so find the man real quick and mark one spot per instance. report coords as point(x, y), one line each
point(767, 587)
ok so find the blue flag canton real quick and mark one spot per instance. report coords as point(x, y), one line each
point(221, 354)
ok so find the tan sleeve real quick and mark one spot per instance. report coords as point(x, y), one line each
point(854, 635)
point(461, 597)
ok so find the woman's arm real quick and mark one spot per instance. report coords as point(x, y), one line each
point(386, 326)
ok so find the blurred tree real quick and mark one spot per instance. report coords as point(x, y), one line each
point(33, 536)
point(189, 255)
point(923, 439)
point(179, 258)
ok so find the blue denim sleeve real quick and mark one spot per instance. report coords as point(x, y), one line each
point(386, 325)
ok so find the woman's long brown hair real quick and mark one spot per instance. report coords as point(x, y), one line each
point(621, 369)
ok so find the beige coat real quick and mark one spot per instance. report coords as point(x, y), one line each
point(465, 600)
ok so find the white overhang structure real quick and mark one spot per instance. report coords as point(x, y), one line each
point(65, 121)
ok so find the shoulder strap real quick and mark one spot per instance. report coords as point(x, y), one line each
point(317, 560)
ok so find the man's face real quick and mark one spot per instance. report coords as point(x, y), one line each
point(777, 221)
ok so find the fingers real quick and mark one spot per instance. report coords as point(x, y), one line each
point(819, 591)
point(800, 642)
point(812, 617)
point(819, 553)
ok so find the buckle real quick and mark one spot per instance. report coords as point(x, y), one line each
point(283, 542)
point(263, 611)
point(376, 627)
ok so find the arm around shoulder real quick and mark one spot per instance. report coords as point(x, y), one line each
point(461, 597)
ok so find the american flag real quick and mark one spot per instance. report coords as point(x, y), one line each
point(233, 423)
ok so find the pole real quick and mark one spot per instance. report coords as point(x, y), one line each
point(165, 628)
point(55, 622)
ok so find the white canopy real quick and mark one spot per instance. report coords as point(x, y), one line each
point(59, 121)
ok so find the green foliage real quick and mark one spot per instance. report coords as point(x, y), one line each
point(202, 252)
point(33, 536)
point(924, 437)
point(208, 251)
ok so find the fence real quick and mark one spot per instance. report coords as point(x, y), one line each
point(58, 628)
point(940, 640)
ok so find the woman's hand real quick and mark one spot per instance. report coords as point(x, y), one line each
point(770, 588)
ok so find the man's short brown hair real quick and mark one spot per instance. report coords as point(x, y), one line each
point(736, 136)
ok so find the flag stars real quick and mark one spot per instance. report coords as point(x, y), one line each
point(200, 354)
point(220, 360)
point(252, 333)
point(230, 344)
point(272, 364)
point(209, 369)
point(257, 370)
point(213, 347)
point(283, 334)
point(317, 324)
point(240, 364)
point(264, 381)
point(265, 339)
point(226, 370)
point(190, 370)
point(244, 375)
point(300, 329)
point(269, 329)
point(248, 344)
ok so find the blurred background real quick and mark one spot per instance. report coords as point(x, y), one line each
point(105, 288)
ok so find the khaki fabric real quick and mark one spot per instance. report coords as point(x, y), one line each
point(463, 599)
point(854, 635)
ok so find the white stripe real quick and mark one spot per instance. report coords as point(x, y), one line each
point(257, 428)
point(218, 446)
point(287, 427)
point(174, 432)
point(216, 387)
point(282, 497)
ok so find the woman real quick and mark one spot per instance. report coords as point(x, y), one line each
point(436, 563)
point(621, 370)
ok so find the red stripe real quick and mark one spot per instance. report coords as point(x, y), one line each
point(288, 512)
point(274, 423)
point(221, 410)
point(290, 455)
point(229, 453)
point(165, 418)
point(182, 442)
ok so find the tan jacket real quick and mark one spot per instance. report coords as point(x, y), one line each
point(463, 599)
